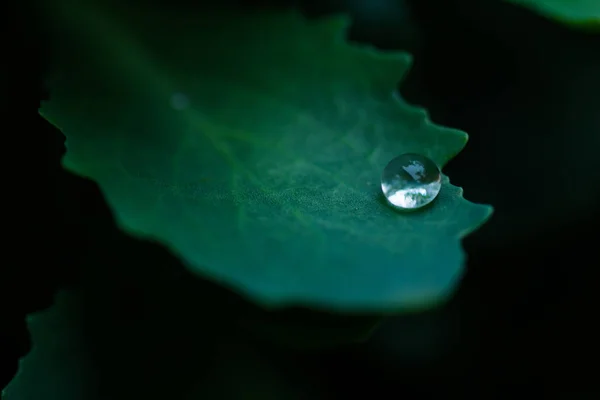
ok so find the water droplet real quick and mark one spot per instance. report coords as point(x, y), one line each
point(411, 181)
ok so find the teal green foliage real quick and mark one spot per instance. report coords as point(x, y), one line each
point(577, 13)
point(252, 146)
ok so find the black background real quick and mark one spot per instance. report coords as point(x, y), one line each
point(526, 89)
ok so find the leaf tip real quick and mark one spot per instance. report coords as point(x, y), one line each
point(484, 213)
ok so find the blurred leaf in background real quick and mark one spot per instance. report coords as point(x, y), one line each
point(576, 13)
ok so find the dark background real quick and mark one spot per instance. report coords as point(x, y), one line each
point(526, 89)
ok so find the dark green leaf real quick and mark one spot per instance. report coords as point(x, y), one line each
point(252, 145)
point(580, 13)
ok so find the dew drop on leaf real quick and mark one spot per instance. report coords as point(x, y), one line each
point(411, 181)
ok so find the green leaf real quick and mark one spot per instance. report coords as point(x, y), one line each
point(580, 13)
point(56, 367)
point(149, 363)
point(252, 145)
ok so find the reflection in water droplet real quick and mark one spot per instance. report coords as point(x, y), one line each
point(411, 181)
